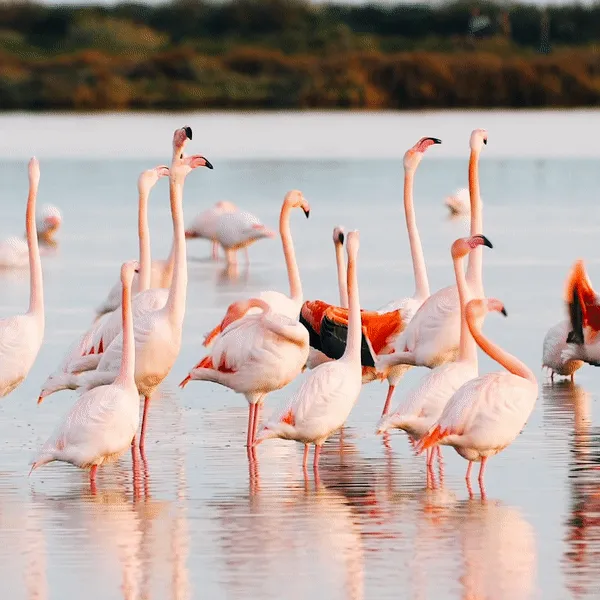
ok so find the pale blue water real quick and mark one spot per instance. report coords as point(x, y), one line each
point(199, 524)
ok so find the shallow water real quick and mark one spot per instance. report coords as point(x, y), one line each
point(197, 521)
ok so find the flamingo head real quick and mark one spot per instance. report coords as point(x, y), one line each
point(463, 246)
point(180, 138)
point(338, 235)
point(34, 172)
point(181, 168)
point(295, 199)
point(128, 269)
point(413, 155)
point(479, 307)
point(148, 179)
point(353, 243)
point(479, 138)
point(49, 220)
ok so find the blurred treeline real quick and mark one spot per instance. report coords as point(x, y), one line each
point(294, 54)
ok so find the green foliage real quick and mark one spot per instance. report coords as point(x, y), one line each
point(294, 54)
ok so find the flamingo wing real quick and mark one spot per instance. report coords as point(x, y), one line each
point(311, 316)
point(583, 304)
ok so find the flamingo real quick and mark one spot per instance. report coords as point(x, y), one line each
point(458, 203)
point(103, 422)
point(328, 324)
point(85, 353)
point(424, 404)
point(487, 413)
point(326, 397)
point(239, 230)
point(582, 340)
point(204, 225)
point(21, 336)
point(158, 331)
point(281, 303)
point(153, 273)
point(254, 354)
point(49, 221)
point(316, 357)
point(555, 342)
point(433, 334)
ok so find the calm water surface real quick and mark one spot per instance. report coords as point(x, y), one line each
point(197, 521)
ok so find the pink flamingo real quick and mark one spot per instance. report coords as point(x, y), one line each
point(21, 335)
point(485, 414)
point(326, 397)
point(421, 408)
point(102, 424)
point(204, 225)
point(254, 354)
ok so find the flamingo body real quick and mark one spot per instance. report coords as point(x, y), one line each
point(14, 253)
point(555, 342)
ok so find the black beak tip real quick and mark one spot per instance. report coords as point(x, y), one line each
point(188, 132)
point(486, 242)
point(485, 141)
point(341, 238)
point(435, 140)
point(208, 163)
point(306, 212)
point(503, 311)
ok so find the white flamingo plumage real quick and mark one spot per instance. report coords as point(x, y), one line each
point(432, 336)
point(254, 354)
point(555, 342)
point(327, 395)
point(423, 405)
point(157, 332)
point(486, 414)
point(103, 422)
point(204, 225)
point(21, 335)
point(239, 230)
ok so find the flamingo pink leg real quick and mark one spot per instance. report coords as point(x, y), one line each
point(215, 250)
point(388, 400)
point(305, 457)
point(144, 423)
point(481, 473)
point(247, 255)
point(251, 418)
point(257, 410)
point(317, 456)
point(93, 478)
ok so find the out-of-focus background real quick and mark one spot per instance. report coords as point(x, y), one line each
point(288, 54)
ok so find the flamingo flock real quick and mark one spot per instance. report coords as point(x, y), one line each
point(265, 342)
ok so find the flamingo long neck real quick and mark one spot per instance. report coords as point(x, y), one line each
point(474, 270)
point(127, 371)
point(467, 350)
point(290, 255)
point(175, 305)
point(508, 361)
point(144, 237)
point(36, 286)
point(341, 275)
point(352, 351)
point(170, 261)
point(416, 250)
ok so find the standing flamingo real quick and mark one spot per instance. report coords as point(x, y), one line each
point(584, 313)
point(329, 324)
point(280, 303)
point(487, 413)
point(157, 332)
point(103, 422)
point(204, 225)
point(239, 230)
point(254, 354)
point(315, 356)
point(326, 397)
point(21, 336)
point(555, 342)
point(86, 352)
point(433, 334)
point(424, 404)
